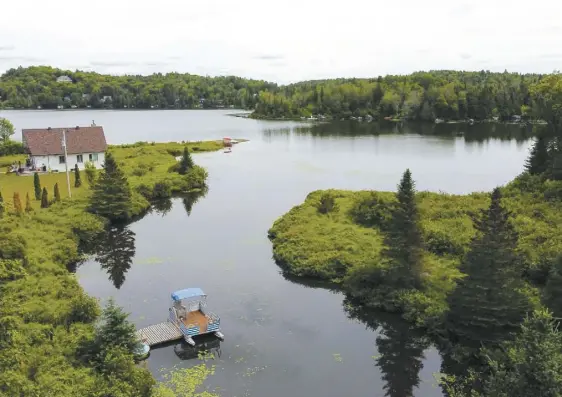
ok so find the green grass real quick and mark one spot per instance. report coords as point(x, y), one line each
point(39, 297)
point(334, 247)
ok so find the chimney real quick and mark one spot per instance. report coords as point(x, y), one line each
point(93, 123)
point(77, 127)
point(48, 128)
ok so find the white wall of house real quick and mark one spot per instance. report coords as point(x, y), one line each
point(53, 162)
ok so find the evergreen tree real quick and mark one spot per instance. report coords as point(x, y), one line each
point(37, 186)
point(553, 289)
point(489, 303)
point(17, 204)
point(28, 207)
point(57, 193)
point(404, 238)
point(1, 205)
point(45, 199)
point(538, 160)
point(115, 329)
point(112, 195)
point(77, 179)
point(186, 162)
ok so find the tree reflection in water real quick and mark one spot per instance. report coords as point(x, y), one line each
point(190, 199)
point(115, 251)
point(400, 349)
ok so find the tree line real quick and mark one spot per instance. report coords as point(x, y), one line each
point(425, 96)
point(37, 86)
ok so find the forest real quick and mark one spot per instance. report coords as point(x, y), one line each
point(37, 86)
point(423, 96)
point(481, 274)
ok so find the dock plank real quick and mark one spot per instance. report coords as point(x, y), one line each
point(159, 333)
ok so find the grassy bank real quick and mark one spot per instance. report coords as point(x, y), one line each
point(44, 314)
point(334, 246)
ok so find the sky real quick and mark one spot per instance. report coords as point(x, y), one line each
point(285, 41)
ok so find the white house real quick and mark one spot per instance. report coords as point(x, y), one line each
point(64, 79)
point(45, 147)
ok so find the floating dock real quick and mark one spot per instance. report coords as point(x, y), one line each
point(159, 333)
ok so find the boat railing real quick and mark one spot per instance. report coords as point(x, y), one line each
point(173, 316)
point(213, 318)
point(190, 330)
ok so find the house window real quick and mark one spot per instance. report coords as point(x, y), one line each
point(79, 158)
point(62, 160)
point(93, 157)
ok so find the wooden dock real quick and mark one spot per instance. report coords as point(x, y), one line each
point(159, 333)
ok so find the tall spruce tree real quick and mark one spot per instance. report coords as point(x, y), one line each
point(186, 162)
point(488, 303)
point(404, 238)
point(37, 186)
point(17, 204)
point(28, 207)
point(538, 160)
point(44, 198)
point(111, 197)
point(77, 179)
point(57, 193)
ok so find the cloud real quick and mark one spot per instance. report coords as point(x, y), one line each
point(111, 64)
point(269, 57)
point(7, 47)
point(465, 55)
point(16, 58)
point(554, 55)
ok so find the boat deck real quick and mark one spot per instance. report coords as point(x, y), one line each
point(196, 318)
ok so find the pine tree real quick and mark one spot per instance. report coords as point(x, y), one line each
point(489, 303)
point(17, 204)
point(45, 199)
point(77, 179)
point(57, 193)
point(553, 289)
point(116, 330)
point(186, 162)
point(1, 205)
point(28, 207)
point(538, 160)
point(111, 197)
point(404, 237)
point(37, 186)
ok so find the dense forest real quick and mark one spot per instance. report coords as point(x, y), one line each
point(425, 96)
point(444, 94)
point(37, 86)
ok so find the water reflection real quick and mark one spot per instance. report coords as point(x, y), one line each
point(190, 199)
point(207, 346)
point(162, 206)
point(400, 349)
point(471, 133)
point(115, 251)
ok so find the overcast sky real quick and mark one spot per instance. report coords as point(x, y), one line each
point(282, 41)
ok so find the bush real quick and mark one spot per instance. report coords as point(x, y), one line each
point(326, 204)
point(161, 190)
point(145, 191)
point(371, 211)
point(196, 178)
point(10, 148)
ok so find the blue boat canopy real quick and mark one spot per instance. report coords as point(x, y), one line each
point(187, 293)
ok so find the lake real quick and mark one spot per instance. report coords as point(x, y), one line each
point(283, 337)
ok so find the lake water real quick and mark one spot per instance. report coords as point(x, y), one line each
point(283, 338)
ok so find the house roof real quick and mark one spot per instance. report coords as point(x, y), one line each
point(46, 141)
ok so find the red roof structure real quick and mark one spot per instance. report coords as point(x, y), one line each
point(48, 141)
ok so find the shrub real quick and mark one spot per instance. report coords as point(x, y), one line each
point(371, 211)
point(326, 203)
point(161, 190)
